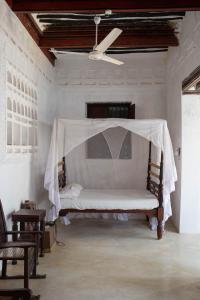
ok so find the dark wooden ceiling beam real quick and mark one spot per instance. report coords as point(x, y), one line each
point(51, 57)
point(61, 26)
point(132, 28)
point(127, 33)
point(100, 6)
point(149, 26)
point(68, 32)
point(118, 50)
point(33, 31)
point(122, 41)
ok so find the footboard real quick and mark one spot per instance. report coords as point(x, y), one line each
point(155, 186)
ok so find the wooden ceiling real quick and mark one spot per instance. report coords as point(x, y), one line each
point(148, 25)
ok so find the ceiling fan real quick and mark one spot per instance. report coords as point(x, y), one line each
point(99, 50)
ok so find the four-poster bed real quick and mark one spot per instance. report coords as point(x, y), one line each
point(138, 201)
point(154, 201)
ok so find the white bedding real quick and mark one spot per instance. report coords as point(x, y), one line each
point(111, 199)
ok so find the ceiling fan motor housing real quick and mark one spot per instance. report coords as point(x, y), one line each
point(97, 20)
point(95, 55)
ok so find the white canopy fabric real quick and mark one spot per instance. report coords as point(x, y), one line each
point(68, 134)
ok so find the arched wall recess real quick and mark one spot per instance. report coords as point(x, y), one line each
point(21, 116)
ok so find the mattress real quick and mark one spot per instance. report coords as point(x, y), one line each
point(111, 199)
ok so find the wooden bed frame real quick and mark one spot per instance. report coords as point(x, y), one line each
point(156, 188)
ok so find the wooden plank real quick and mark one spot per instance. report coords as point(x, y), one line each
point(76, 31)
point(151, 29)
point(126, 22)
point(102, 34)
point(68, 24)
point(122, 41)
point(115, 16)
point(118, 50)
point(129, 28)
point(100, 6)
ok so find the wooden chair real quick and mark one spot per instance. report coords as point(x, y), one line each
point(17, 294)
point(17, 250)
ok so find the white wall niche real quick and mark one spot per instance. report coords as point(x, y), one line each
point(21, 113)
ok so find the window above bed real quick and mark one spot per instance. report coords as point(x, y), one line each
point(114, 143)
point(125, 110)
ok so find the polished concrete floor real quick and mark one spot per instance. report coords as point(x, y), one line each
point(105, 259)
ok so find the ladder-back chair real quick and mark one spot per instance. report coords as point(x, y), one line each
point(17, 250)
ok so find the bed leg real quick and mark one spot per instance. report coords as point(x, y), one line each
point(159, 230)
point(160, 223)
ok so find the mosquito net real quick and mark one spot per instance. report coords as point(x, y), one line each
point(109, 160)
point(108, 154)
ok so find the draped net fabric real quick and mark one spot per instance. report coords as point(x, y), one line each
point(69, 139)
point(115, 138)
point(112, 143)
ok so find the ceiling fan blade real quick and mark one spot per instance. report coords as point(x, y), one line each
point(67, 52)
point(109, 39)
point(112, 60)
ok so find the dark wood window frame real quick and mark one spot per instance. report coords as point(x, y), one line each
point(104, 109)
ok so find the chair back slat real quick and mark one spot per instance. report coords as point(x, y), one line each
point(3, 229)
point(15, 294)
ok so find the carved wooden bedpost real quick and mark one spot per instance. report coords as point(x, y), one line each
point(149, 168)
point(149, 174)
point(160, 214)
point(64, 172)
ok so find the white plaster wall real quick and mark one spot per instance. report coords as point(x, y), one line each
point(181, 62)
point(141, 80)
point(190, 197)
point(22, 175)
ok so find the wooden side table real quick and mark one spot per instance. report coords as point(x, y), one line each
point(36, 217)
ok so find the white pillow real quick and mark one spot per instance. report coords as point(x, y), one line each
point(71, 191)
point(75, 187)
point(66, 193)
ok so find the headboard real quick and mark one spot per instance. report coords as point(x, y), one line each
point(61, 173)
